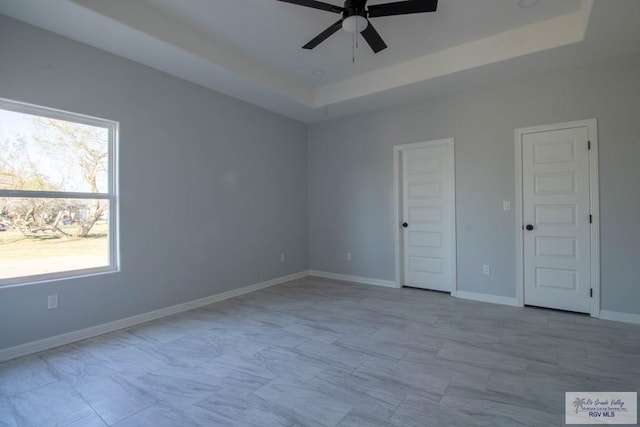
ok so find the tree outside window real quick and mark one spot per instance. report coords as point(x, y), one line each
point(57, 193)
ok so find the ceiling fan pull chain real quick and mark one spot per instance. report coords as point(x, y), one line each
point(353, 48)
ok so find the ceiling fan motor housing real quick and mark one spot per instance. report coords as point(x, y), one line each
point(352, 8)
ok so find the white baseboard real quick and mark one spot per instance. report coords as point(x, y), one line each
point(620, 317)
point(495, 299)
point(93, 331)
point(355, 279)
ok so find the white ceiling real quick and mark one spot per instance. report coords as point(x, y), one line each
point(273, 32)
point(251, 49)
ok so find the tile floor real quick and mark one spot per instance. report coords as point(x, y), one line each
point(316, 352)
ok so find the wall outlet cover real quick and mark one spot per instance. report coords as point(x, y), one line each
point(52, 302)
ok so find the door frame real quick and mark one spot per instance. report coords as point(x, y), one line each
point(594, 202)
point(397, 203)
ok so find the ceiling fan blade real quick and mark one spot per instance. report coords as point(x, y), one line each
point(323, 35)
point(316, 5)
point(402, 8)
point(373, 38)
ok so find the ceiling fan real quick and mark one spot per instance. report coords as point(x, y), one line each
point(356, 14)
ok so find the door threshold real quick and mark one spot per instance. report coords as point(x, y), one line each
point(428, 290)
point(558, 310)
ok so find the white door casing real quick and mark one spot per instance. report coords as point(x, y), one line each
point(426, 203)
point(558, 242)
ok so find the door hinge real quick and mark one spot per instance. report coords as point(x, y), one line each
point(588, 145)
point(591, 293)
point(590, 219)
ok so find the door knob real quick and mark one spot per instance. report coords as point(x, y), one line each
point(405, 225)
point(529, 227)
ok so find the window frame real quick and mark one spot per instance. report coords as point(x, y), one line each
point(111, 195)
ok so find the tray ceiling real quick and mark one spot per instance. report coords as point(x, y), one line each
point(251, 49)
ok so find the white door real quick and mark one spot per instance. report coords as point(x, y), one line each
point(556, 218)
point(428, 216)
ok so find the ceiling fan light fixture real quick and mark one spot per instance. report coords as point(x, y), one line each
point(355, 23)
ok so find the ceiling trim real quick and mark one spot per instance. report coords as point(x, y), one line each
point(155, 23)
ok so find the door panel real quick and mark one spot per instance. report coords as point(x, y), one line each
point(556, 202)
point(428, 208)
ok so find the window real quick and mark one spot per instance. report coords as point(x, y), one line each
point(58, 194)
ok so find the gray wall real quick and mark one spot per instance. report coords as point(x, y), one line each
point(178, 142)
point(350, 176)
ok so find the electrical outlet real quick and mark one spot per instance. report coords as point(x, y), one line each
point(348, 256)
point(506, 205)
point(52, 302)
point(486, 269)
point(282, 258)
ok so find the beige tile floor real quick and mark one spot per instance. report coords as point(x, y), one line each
point(316, 352)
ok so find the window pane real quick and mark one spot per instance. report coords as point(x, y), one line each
point(39, 236)
point(41, 153)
